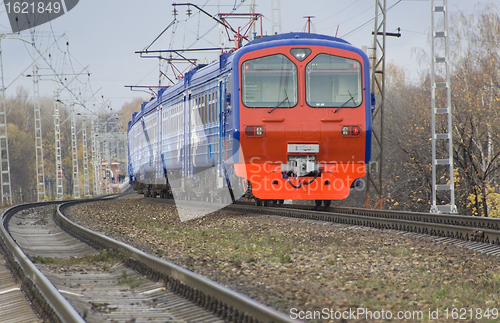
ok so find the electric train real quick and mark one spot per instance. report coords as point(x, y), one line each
point(284, 117)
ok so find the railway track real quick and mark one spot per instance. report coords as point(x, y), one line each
point(73, 282)
point(477, 233)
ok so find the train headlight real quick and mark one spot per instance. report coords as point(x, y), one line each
point(254, 131)
point(350, 131)
point(300, 53)
point(259, 131)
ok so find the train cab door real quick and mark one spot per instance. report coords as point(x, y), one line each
point(221, 134)
point(224, 112)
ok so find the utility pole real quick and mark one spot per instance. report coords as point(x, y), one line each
point(40, 173)
point(5, 185)
point(94, 159)
point(376, 166)
point(445, 160)
point(57, 135)
point(275, 17)
point(74, 150)
point(86, 188)
point(4, 142)
point(374, 174)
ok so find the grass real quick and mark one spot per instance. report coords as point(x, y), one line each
point(374, 274)
point(130, 281)
point(213, 242)
point(103, 256)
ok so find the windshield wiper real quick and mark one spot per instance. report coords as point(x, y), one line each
point(285, 99)
point(351, 98)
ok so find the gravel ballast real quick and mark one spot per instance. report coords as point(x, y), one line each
point(319, 273)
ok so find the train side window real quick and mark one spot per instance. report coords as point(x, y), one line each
point(216, 103)
point(205, 112)
point(212, 113)
point(214, 108)
point(333, 81)
point(209, 108)
point(201, 110)
point(204, 109)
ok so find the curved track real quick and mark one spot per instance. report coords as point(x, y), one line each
point(62, 293)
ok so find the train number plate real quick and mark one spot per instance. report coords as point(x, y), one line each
point(303, 148)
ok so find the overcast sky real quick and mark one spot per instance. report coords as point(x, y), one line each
point(104, 35)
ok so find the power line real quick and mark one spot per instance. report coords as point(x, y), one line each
point(369, 21)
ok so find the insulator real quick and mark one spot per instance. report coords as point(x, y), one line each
point(175, 12)
point(189, 12)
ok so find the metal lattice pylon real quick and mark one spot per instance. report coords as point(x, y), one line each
point(107, 174)
point(4, 142)
point(276, 17)
point(96, 152)
point(86, 188)
point(374, 172)
point(57, 135)
point(40, 173)
point(442, 111)
point(94, 158)
point(74, 153)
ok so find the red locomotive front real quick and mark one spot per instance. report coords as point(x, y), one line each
point(303, 117)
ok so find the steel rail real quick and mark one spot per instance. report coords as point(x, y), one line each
point(451, 219)
point(451, 226)
point(45, 297)
point(200, 288)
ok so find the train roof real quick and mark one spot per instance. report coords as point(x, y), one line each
point(204, 73)
point(292, 35)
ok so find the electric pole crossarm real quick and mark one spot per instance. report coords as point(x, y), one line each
point(34, 60)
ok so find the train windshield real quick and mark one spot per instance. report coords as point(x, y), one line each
point(269, 81)
point(333, 81)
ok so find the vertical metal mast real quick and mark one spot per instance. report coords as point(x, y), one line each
point(57, 135)
point(107, 172)
point(86, 188)
point(74, 150)
point(276, 17)
point(446, 156)
point(252, 10)
point(94, 158)
point(40, 173)
point(378, 67)
point(4, 142)
point(99, 168)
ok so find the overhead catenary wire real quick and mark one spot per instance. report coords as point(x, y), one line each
point(367, 22)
